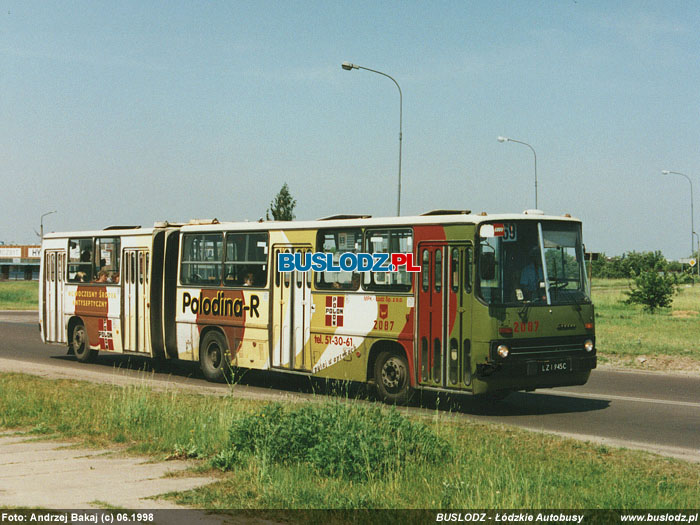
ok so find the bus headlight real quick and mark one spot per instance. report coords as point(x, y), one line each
point(588, 345)
point(503, 351)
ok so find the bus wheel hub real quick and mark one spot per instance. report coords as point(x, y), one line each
point(392, 373)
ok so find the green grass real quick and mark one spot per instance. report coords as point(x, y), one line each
point(337, 454)
point(19, 295)
point(667, 339)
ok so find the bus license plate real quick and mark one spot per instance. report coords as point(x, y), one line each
point(554, 366)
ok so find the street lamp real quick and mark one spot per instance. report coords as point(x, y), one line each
point(347, 66)
point(692, 225)
point(507, 139)
point(42, 222)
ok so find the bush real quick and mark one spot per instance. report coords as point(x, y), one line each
point(652, 289)
point(685, 278)
point(355, 442)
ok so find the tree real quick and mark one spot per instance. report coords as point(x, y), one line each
point(653, 289)
point(282, 207)
point(628, 265)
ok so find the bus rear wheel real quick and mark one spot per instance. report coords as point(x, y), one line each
point(79, 344)
point(212, 357)
point(392, 378)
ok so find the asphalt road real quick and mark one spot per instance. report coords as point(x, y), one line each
point(651, 411)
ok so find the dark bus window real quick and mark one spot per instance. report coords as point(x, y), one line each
point(468, 254)
point(80, 261)
point(202, 258)
point(455, 269)
point(107, 250)
point(425, 270)
point(438, 270)
point(246, 259)
point(389, 240)
point(338, 242)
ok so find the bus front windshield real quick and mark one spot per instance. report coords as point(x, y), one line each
point(523, 262)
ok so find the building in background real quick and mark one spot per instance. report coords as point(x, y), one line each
point(19, 263)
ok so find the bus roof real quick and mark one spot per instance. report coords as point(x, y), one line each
point(370, 222)
point(107, 232)
point(215, 225)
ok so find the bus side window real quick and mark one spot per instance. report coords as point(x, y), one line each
point(141, 268)
point(107, 251)
point(202, 258)
point(80, 260)
point(468, 269)
point(337, 242)
point(455, 269)
point(438, 270)
point(390, 240)
point(246, 259)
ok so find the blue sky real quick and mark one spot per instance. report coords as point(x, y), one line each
point(133, 112)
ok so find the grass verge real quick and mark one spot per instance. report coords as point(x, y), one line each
point(346, 455)
point(19, 295)
point(627, 336)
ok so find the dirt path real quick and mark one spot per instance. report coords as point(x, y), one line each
point(54, 475)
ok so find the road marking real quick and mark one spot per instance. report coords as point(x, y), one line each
point(686, 454)
point(604, 397)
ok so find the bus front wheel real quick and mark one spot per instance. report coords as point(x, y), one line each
point(212, 357)
point(392, 378)
point(79, 344)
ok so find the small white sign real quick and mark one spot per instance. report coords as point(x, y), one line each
point(487, 230)
point(10, 252)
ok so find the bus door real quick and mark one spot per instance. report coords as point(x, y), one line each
point(291, 314)
point(135, 300)
point(54, 279)
point(444, 314)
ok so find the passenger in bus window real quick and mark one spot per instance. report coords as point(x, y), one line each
point(81, 277)
point(102, 277)
point(249, 279)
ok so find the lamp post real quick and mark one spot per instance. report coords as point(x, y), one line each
point(507, 139)
point(42, 222)
point(347, 66)
point(692, 224)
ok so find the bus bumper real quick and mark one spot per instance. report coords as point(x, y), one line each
point(530, 373)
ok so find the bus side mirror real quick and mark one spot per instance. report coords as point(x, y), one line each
point(487, 266)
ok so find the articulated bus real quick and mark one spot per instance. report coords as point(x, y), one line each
point(500, 302)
